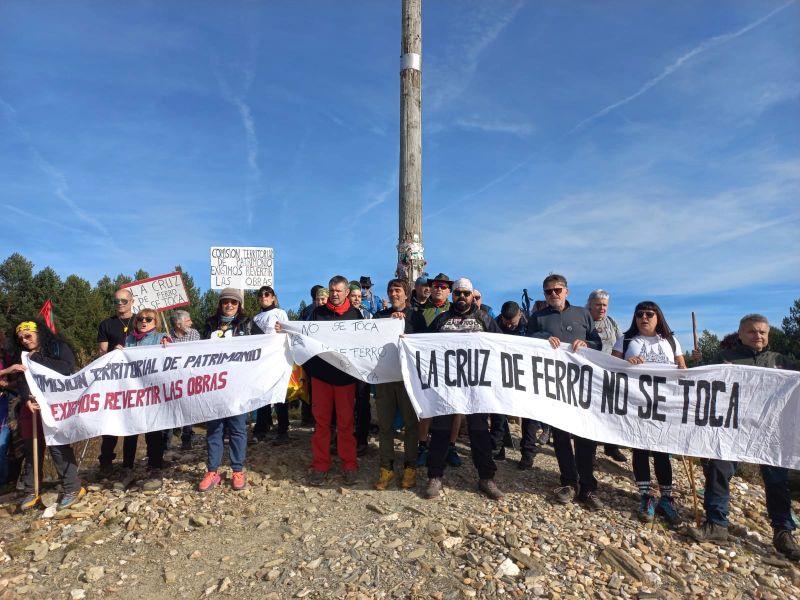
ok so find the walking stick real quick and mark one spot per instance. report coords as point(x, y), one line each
point(83, 453)
point(35, 454)
point(694, 330)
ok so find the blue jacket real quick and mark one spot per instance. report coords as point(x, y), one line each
point(151, 339)
point(371, 302)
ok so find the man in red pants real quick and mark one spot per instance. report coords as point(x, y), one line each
point(333, 389)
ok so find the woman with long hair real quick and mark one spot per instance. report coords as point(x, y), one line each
point(230, 320)
point(650, 340)
point(50, 350)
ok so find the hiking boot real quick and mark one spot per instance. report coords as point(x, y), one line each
point(238, 481)
point(591, 501)
point(489, 487)
point(525, 462)
point(209, 482)
point(351, 477)
point(153, 482)
point(433, 487)
point(500, 454)
point(452, 458)
point(709, 532)
point(615, 454)
point(564, 494)
point(281, 439)
point(785, 544)
point(422, 454)
point(409, 480)
point(28, 502)
point(105, 470)
point(361, 449)
point(385, 478)
point(126, 478)
point(68, 500)
point(317, 478)
point(666, 508)
point(647, 508)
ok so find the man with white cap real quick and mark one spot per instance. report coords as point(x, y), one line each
point(463, 315)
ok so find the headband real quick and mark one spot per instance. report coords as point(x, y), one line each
point(27, 326)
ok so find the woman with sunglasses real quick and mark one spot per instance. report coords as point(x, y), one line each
point(649, 340)
point(53, 352)
point(230, 320)
point(146, 332)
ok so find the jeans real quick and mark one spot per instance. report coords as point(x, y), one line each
point(661, 462)
point(779, 499)
point(63, 460)
point(480, 445)
point(326, 397)
point(388, 397)
point(237, 443)
point(577, 468)
point(5, 445)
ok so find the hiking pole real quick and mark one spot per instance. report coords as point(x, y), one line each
point(83, 453)
point(34, 420)
point(687, 464)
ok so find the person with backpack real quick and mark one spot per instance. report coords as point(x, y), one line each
point(650, 340)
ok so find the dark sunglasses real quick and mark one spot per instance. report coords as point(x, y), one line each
point(266, 294)
point(25, 336)
point(477, 297)
point(120, 301)
point(554, 291)
point(229, 301)
point(441, 286)
point(145, 319)
point(465, 293)
point(645, 313)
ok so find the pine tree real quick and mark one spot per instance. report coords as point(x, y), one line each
point(17, 298)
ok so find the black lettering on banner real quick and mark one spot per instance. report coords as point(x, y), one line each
point(657, 398)
point(337, 326)
point(585, 400)
point(647, 410)
point(618, 385)
point(573, 375)
point(506, 370)
point(686, 385)
point(447, 379)
point(170, 362)
point(462, 358)
point(704, 389)
point(733, 407)
point(535, 360)
point(518, 372)
point(482, 380)
point(561, 371)
point(713, 419)
point(548, 378)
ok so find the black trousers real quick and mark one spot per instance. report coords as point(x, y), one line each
point(577, 468)
point(480, 445)
point(498, 424)
point(155, 450)
point(661, 462)
point(264, 418)
point(528, 442)
point(363, 413)
point(63, 460)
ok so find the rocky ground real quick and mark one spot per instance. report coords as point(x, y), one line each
point(283, 539)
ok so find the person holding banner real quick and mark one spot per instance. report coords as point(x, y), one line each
point(363, 410)
point(146, 332)
point(752, 349)
point(182, 331)
point(230, 320)
point(53, 352)
point(511, 321)
point(464, 315)
point(391, 397)
point(560, 322)
point(649, 339)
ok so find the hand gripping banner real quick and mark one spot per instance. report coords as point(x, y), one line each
point(728, 412)
point(150, 388)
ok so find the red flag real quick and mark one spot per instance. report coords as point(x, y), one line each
point(47, 314)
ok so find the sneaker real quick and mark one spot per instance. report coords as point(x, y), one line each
point(317, 478)
point(647, 508)
point(565, 494)
point(209, 482)
point(666, 508)
point(785, 544)
point(361, 449)
point(153, 482)
point(29, 501)
point(350, 477)
point(591, 501)
point(615, 454)
point(709, 532)
point(409, 480)
point(452, 458)
point(68, 500)
point(238, 481)
point(281, 439)
point(385, 478)
point(422, 456)
point(489, 487)
point(525, 462)
point(433, 487)
point(500, 454)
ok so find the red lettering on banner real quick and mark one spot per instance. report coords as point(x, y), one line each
point(112, 401)
point(207, 383)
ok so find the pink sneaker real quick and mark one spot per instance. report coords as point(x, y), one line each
point(209, 482)
point(238, 481)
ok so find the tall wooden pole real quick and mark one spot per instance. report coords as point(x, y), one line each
point(410, 259)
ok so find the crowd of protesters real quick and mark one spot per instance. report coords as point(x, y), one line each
point(340, 407)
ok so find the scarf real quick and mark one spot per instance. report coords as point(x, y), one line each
point(339, 310)
point(224, 319)
point(139, 336)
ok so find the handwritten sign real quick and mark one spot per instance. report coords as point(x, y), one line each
point(246, 268)
point(160, 293)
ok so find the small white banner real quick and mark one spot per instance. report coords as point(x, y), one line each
point(365, 349)
point(728, 412)
point(150, 388)
point(161, 293)
point(245, 268)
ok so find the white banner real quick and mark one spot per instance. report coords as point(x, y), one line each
point(150, 388)
point(365, 349)
point(161, 293)
point(245, 268)
point(727, 412)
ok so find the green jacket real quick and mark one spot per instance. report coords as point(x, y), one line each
point(745, 355)
point(424, 316)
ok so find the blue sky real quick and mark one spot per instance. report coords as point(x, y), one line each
point(648, 148)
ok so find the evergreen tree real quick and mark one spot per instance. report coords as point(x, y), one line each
point(17, 298)
point(78, 322)
point(46, 285)
point(708, 344)
point(193, 292)
point(791, 329)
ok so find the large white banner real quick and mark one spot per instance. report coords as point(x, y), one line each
point(365, 349)
point(728, 412)
point(151, 388)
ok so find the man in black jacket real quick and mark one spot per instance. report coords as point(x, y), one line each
point(463, 315)
point(332, 387)
point(560, 322)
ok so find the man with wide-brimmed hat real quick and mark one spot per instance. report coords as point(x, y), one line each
point(370, 302)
